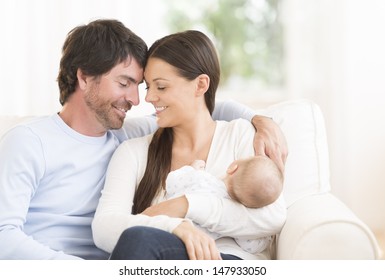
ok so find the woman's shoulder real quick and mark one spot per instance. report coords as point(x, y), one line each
point(132, 152)
point(138, 140)
point(234, 131)
point(136, 144)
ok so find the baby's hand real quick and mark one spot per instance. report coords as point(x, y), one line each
point(199, 164)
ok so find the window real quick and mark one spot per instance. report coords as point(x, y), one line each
point(248, 35)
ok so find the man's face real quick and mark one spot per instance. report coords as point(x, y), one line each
point(111, 95)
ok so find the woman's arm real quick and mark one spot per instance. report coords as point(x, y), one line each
point(225, 216)
point(113, 214)
point(230, 218)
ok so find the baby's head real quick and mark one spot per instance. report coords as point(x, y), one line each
point(254, 182)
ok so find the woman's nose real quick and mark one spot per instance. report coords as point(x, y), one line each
point(150, 96)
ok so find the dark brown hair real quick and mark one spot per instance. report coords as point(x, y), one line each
point(96, 48)
point(192, 53)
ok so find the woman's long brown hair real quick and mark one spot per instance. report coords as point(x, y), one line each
point(192, 54)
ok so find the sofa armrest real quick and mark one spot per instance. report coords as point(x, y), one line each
point(322, 227)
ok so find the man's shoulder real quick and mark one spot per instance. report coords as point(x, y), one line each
point(24, 137)
point(27, 125)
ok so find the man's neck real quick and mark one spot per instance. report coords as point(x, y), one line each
point(81, 119)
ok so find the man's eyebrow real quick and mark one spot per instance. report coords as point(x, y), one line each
point(131, 79)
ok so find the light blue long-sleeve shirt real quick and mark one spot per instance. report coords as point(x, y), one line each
point(50, 182)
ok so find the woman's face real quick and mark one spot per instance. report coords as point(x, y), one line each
point(173, 96)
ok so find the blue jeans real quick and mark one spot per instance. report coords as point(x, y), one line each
point(147, 243)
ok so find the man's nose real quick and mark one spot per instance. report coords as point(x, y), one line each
point(133, 96)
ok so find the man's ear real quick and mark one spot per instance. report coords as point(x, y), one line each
point(232, 168)
point(203, 83)
point(82, 79)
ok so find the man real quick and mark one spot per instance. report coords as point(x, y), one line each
point(52, 169)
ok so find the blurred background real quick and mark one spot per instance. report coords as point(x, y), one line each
point(329, 51)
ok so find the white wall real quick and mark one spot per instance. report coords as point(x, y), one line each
point(365, 90)
point(33, 32)
point(336, 57)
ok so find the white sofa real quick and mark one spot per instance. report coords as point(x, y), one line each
point(319, 225)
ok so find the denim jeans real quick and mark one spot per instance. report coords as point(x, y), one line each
point(147, 243)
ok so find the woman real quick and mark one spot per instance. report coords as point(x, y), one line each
point(182, 75)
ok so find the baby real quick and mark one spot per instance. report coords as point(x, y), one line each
point(254, 182)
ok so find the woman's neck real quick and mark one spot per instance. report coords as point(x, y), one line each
point(192, 141)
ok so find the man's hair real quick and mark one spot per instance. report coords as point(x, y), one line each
point(96, 48)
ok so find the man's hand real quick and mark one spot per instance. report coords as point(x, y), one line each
point(270, 141)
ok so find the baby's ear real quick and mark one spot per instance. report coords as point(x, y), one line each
point(232, 168)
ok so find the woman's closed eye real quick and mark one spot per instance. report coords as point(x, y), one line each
point(158, 88)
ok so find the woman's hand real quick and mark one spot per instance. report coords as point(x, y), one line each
point(198, 244)
point(270, 141)
point(175, 208)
